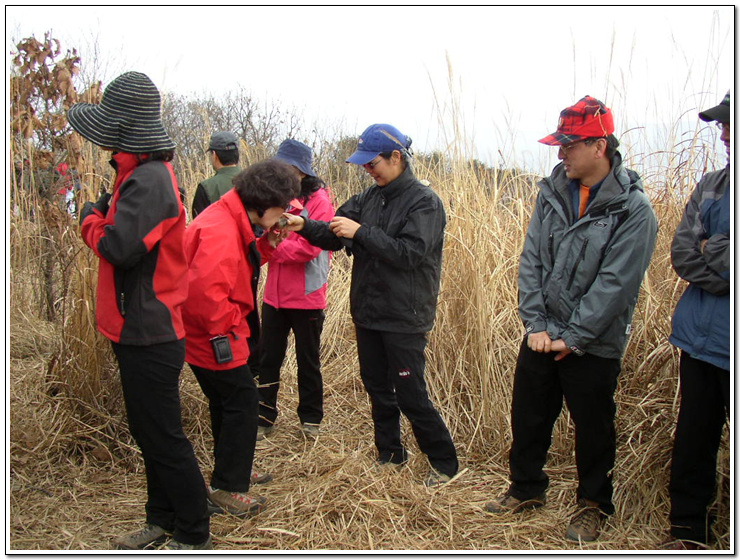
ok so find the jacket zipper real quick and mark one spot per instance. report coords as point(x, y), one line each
point(122, 300)
point(580, 257)
point(550, 247)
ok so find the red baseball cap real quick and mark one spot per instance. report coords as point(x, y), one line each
point(589, 118)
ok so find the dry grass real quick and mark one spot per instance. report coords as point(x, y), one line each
point(76, 478)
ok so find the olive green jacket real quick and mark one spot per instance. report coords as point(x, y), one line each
point(210, 190)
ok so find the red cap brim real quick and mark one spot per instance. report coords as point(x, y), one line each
point(295, 204)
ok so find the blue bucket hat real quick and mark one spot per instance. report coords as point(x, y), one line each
point(378, 139)
point(297, 154)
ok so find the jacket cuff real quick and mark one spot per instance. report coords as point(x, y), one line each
point(535, 326)
point(570, 343)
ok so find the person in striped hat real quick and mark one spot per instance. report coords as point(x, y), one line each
point(137, 232)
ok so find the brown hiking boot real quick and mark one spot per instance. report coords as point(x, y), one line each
point(177, 545)
point(235, 503)
point(681, 544)
point(149, 534)
point(259, 478)
point(586, 523)
point(509, 504)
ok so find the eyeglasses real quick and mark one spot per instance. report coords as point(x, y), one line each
point(373, 163)
point(587, 141)
point(722, 126)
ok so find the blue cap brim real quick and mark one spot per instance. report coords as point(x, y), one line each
point(361, 158)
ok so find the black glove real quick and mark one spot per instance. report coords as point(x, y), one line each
point(101, 205)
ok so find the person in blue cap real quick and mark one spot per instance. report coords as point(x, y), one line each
point(395, 231)
point(700, 254)
point(294, 300)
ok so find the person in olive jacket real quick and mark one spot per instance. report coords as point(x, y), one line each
point(587, 248)
point(700, 254)
point(223, 154)
point(395, 232)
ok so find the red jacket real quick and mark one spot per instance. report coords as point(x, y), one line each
point(297, 273)
point(219, 281)
point(141, 278)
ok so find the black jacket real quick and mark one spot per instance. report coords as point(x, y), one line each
point(397, 254)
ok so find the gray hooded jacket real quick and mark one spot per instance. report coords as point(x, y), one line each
point(579, 279)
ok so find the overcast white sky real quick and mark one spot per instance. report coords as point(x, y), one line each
point(513, 68)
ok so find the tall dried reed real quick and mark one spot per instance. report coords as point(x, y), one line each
point(471, 356)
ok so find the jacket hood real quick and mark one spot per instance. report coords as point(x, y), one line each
point(233, 204)
point(617, 183)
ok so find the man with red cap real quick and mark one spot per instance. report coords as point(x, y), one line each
point(589, 242)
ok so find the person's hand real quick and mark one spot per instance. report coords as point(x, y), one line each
point(343, 227)
point(100, 205)
point(85, 211)
point(293, 222)
point(276, 236)
point(539, 341)
point(702, 244)
point(561, 348)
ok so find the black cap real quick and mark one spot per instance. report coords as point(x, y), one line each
point(223, 141)
point(720, 113)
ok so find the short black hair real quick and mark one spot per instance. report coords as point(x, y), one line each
point(160, 155)
point(227, 157)
point(405, 156)
point(611, 144)
point(267, 184)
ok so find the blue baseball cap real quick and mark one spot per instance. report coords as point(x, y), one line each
point(297, 154)
point(378, 139)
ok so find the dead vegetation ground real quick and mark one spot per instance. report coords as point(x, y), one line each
point(78, 481)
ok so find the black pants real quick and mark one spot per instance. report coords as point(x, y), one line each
point(705, 406)
point(392, 369)
point(588, 383)
point(233, 403)
point(176, 492)
point(307, 325)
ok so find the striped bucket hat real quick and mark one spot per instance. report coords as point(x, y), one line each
point(128, 118)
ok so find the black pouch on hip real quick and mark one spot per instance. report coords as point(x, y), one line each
point(221, 349)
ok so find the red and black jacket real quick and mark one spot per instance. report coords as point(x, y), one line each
point(142, 279)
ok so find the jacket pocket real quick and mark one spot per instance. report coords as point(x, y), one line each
point(119, 279)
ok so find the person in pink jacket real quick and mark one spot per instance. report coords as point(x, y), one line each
point(295, 299)
point(223, 254)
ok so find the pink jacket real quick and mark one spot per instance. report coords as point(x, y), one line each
point(297, 272)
